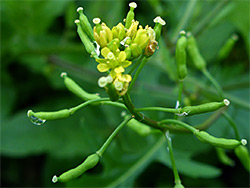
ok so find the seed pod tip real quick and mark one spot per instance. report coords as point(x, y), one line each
point(243, 142)
point(182, 32)
point(54, 179)
point(226, 102)
point(28, 113)
point(79, 9)
point(159, 20)
point(96, 20)
point(132, 5)
point(77, 21)
point(63, 74)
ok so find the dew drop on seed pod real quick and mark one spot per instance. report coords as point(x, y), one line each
point(36, 120)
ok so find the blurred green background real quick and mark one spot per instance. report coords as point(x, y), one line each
point(39, 41)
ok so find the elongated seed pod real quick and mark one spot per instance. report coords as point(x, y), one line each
point(50, 115)
point(243, 155)
point(222, 156)
point(139, 128)
point(194, 53)
point(112, 93)
point(203, 108)
point(76, 89)
point(85, 24)
point(89, 163)
point(180, 56)
point(130, 15)
point(159, 22)
point(218, 142)
point(227, 47)
point(89, 46)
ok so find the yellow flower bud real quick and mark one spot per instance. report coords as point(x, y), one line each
point(132, 29)
point(136, 50)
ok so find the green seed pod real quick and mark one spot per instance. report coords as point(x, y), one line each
point(76, 89)
point(159, 22)
point(135, 50)
point(90, 48)
point(194, 53)
point(243, 155)
point(221, 153)
point(85, 24)
point(227, 47)
point(50, 115)
point(112, 93)
point(89, 163)
point(180, 56)
point(130, 15)
point(179, 185)
point(203, 108)
point(139, 127)
point(218, 142)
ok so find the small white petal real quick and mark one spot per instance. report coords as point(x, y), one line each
point(182, 32)
point(28, 113)
point(118, 85)
point(109, 79)
point(102, 82)
point(159, 20)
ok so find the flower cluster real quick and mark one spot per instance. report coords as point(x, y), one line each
point(118, 46)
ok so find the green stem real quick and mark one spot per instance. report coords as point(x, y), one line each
point(95, 101)
point(111, 137)
point(214, 82)
point(171, 154)
point(173, 121)
point(170, 110)
point(136, 64)
point(232, 123)
point(144, 61)
point(184, 19)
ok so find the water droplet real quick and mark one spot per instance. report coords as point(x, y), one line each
point(36, 121)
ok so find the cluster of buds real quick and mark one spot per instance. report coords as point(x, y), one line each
point(118, 46)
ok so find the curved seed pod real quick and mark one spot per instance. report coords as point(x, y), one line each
point(130, 15)
point(180, 56)
point(89, 163)
point(179, 185)
point(221, 153)
point(85, 24)
point(218, 142)
point(227, 47)
point(159, 22)
point(135, 50)
point(90, 48)
point(139, 127)
point(50, 115)
point(194, 53)
point(112, 93)
point(76, 89)
point(243, 155)
point(203, 108)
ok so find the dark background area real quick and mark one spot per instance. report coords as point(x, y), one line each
point(39, 41)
